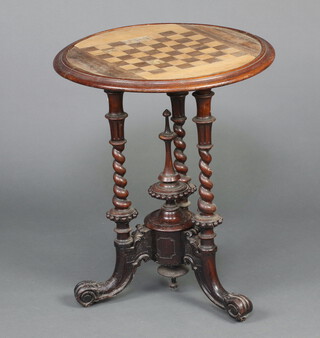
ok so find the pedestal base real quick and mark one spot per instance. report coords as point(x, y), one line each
point(143, 248)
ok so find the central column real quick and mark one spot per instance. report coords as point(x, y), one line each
point(168, 222)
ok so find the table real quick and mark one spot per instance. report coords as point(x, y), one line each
point(173, 59)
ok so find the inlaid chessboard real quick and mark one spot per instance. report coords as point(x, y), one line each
point(163, 52)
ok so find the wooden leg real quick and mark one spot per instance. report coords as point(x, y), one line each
point(178, 119)
point(131, 248)
point(200, 246)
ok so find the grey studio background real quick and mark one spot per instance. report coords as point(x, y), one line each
point(56, 177)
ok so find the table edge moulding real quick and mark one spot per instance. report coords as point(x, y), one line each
point(257, 65)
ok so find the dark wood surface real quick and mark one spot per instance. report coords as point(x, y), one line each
point(164, 58)
point(172, 235)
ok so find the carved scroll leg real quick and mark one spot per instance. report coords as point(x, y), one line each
point(89, 292)
point(204, 266)
point(129, 249)
point(127, 261)
point(201, 249)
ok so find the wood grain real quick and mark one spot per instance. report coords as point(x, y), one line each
point(164, 58)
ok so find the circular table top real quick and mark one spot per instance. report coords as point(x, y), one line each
point(164, 58)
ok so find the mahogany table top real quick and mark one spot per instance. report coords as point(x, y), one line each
point(164, 58)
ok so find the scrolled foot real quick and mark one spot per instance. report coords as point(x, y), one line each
point(238, 306)
point(203, 263)
point(128, 259)
point(85, 293)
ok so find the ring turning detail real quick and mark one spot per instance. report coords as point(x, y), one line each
point(174, 59)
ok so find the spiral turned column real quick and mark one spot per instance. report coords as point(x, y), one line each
point(206, 218)
point(122, 213)
point(178, 118)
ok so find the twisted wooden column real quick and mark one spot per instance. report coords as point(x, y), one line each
point(122, 213)
point(178, 118)
point(206, 217)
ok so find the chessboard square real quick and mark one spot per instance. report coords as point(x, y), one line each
point(132, 51)
point(149, 68)
point(204, 40)
point(146, 48)
point(221, 47)
point(183, 40)
point(129, 67)
point(200, 46)
point(166, 49)
point(178, 46)
point(141, 64)
point(167, 33)
point(186, 50)
point(198, 63)
point(213, 43)
point(217, 53)
point(195, 53)
point(133, 61)
point(168, 58)
point(137, 44)
point(171, 43)
point(171, 69)
point(120, 63)
point(174, 52)
point(177, 62)
point(145, 58)
point(102, 55)
point(157, 71)
point(204, 56)
point(184, 66)
point(230, 50)
point(116, 44)
point(239, 53)
point(191, 43)
point(118, 52)
point(181, 56)
point(213, 59)
point(89, 49)
point(125, 48)
point(175, 37)
point(191, 59)
point(125, 57)
point(163, 65)
point(160, 55)
point(197, 37)
point(188, 33)
point(163, 39)
point(207, 50)
point(227, 57)
point(159, 45)
point(150, 52)
point(112, 59)
point(138, 55)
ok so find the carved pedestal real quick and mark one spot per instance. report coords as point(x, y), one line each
point(172, 236)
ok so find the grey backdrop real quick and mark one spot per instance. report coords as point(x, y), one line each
point(56, 177)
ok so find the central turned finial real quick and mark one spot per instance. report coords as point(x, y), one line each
point(168, 175)
point(169, 187)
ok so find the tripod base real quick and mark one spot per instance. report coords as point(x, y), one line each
point(202, 262)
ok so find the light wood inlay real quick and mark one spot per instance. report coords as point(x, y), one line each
point(163, 52)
